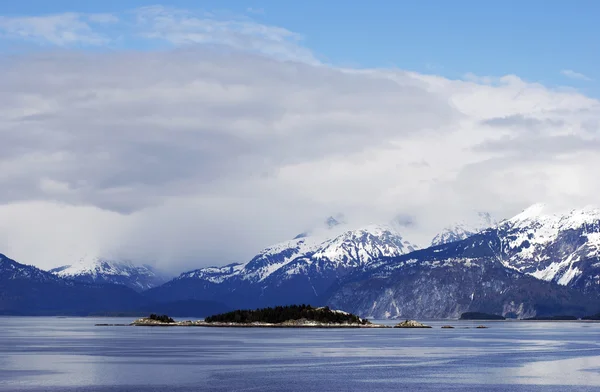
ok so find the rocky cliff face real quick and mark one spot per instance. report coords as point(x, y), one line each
point(418, 289)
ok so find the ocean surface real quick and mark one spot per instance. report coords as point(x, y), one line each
point(71, 354)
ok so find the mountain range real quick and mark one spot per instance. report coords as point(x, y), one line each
point(535, 264)
point(29, 291)
point(301, 270)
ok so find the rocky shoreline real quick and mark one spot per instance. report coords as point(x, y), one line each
point(147, 322)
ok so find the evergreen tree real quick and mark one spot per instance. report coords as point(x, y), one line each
point(280, 314)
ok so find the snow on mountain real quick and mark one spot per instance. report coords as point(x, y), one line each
point(457, 277)
point(11, 270)
point(123, 272)
point(27, 290)
point(463, 229)
point(360, 247)
point(302, 268)
point(562, 247)
point(350, 248)
point(539, 262)
point(213, 274)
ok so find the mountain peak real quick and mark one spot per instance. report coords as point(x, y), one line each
point(99, 270)
point(543, 214)
point(534, 211)
point(461, 230)
point(553, 244)
point(330, 223)
point(334, 221)
point(323, 251)
point(486, 218)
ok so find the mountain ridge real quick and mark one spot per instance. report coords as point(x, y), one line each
point(298, 270)
point(534, 264)
point(436, 283)
point(314, 270)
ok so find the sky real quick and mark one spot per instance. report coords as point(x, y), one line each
point(183, 137)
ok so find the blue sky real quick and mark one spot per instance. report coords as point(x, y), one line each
point(552, 42)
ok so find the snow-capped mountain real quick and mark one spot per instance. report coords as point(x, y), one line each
point(28, 290)
point(559, 247)
point(122, 272)
point(535, 263)
point(374, 272)
point(463, 229)
point(447, 280)
point(298, 270)
point(11, 270)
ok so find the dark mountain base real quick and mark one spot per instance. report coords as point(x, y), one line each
point(427, 290)
point(480, 316)
point(552, 318)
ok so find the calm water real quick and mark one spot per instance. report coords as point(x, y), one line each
point(71, 354)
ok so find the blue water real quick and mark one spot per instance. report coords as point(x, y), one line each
point(71, 354)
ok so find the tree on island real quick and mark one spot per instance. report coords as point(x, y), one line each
point(280, 314)
point(163, 319)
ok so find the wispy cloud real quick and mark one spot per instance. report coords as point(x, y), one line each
point(181, 27)
point(257, 11)
point(103, 18)
point(66, 29)
point(569, 73)
point(158, 24)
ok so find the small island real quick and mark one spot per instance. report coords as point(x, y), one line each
point(293, 316)
point(411, 324)
point(480, 316)
point(155, 319)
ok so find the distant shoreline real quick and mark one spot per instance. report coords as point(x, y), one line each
point(217, 325)
point(323, 326)
point(288, 324)
point(337, 326)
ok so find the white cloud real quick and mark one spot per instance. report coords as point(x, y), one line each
point(201, 156)
point(575, 75)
